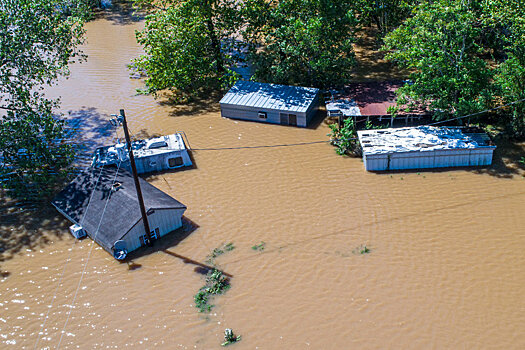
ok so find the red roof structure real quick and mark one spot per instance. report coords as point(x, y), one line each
point(374, 98)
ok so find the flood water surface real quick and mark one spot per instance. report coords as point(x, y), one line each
point(444, 268)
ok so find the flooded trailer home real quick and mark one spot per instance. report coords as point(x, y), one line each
point(270, 103)
point(151, 155)
point(103, 204)
point(424, 147)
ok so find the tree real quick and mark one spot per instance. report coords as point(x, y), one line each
point(441, 45)
point(385, 14)
point(38, 39)
point(507, 19)
point(305, 42)
point(185, 44)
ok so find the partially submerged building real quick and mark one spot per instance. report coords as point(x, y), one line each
point(270, 103)
point(424, 147)
point(103, 204)
point(151, 155)
point(370, 100)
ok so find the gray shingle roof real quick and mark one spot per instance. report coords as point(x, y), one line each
point(122, 211)
point(270, 96)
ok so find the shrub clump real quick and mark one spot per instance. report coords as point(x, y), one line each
point(344, 139)
point(216, 283)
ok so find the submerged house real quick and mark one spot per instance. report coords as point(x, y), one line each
point(103, 204)
point(270, 103)
point(424, 147)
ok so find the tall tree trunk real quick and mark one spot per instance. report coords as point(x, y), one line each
point(215, 42)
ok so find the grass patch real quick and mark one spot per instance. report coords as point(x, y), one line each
point(259, 247)
point(216, 283)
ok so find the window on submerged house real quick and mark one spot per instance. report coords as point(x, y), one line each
point(155, 234)
point(174, 162)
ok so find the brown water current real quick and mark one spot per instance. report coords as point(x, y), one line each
point(445, 268)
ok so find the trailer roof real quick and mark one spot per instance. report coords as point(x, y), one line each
point(421, 138)
point(270, 96)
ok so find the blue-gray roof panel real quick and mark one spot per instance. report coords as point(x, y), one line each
point(270, 96)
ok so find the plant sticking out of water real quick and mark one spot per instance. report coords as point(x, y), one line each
point(259, 247)
point(216, 283)
point(362, 249)
point(230, 337)
point(219, 251)
point(522, 160)
point(345, 138)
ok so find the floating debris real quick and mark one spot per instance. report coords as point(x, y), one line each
point(230, 337)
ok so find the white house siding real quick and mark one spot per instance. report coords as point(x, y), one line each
point(166, 220)
point(428, 159)
point(312, 110)
point(159, 161)
point(272, 116)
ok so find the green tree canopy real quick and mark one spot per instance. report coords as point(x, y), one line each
point(465, 56)
point(507, 19)
point(385, 14)
point(184, 43)
point(38, 39)
point(441, 45)
point(306, 42)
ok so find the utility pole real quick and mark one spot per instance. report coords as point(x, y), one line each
point(136, 178)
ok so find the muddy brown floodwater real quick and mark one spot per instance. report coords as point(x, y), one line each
point(445, 270)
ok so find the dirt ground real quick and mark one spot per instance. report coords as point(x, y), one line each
point(371, 64)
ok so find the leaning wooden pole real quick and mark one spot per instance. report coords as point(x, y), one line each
point(136, 178)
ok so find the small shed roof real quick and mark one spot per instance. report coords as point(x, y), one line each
point(270, 96)
point(420, 138)
point(122, 211)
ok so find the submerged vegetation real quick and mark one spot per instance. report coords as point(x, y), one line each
point(216, 283)
point(345, 138)
point(219, 251)
point(362, 249)
point(259, 247)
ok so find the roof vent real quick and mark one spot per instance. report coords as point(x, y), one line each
point(116, 186)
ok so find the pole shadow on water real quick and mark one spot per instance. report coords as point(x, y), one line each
point(199, 267)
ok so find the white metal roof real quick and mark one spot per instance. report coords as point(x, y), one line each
point(270, 96)
point(347, 108)
point(421, 138)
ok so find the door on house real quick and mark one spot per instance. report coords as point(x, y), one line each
point(284, 118)
point(292, 119)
